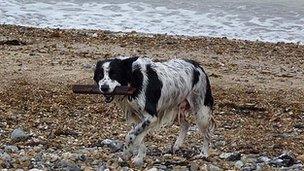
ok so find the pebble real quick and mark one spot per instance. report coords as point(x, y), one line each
point(212, 167)
point(114, 145)
point(193, 166)
point(180, 168)
point(88, 169)
point(249, 167)
point(239, 164)
point(263, 159)
point(249, 159)
point(103, 168)
point(299, 126)
point(167, 155)
point(126, 169)
point(231, 156)
point(295, 167)
point(161, 167)
point(87, 66)
point(153, 169)
point(6, 157)
point(6, 160)
point(18, 134)
point(220, 143)
point(11, 149)
point(1, 131)
point(284, 160)
point(54, 157)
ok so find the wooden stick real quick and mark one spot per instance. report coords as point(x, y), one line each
point(93, 89)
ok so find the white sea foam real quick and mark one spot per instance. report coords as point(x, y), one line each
point(236, 19)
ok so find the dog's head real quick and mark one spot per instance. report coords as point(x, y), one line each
point(111, 73)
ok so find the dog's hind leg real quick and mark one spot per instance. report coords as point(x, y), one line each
point(184, 126)
point(206, 125)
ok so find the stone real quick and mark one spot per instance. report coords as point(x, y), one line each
point(11, 149)
point(126, 169)
point(295, 167)
point(87, 66)
point(54, 157)
point(220, 143)
point(180, 168)
point(18, 134)
point(263, 159)
point(284, 160)
point(167, 155)
point(249, 167)
point(239, 164)
point(212, 167)
point(87, 168)
point(153, 169)
point(161, 167)
point(103, 168)
point(249, 159)
point(299, 126)
point(114, 145)
point(193, 166)
point(5, 156)
point(69, 166)
point(6, 160)
point(230, 156)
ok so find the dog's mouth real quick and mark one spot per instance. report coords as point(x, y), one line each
point(109, 98)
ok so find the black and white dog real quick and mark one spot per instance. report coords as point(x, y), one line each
point(164, 92)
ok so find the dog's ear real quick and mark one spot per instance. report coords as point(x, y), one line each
point(127, 63)
point(134, 76)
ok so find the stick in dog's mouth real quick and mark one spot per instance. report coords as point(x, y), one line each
point(109, 98)
point(93, 89)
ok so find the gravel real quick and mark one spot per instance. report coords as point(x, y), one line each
point(253, 84)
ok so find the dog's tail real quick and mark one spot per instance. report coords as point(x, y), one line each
point(209, 101)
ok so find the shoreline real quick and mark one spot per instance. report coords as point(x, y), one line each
point(143, 34)
point(257, 87)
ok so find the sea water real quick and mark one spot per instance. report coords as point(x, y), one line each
point(264, 20)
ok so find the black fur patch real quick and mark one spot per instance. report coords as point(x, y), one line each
point(98, 73)
point(120, 70)
point(196, 64)
point(153, 91)
point(117, 72)
point(195, 78)
point(137, 81)
point(144, 125)
point(209, 101)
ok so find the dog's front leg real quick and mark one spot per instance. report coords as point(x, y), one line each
point(134, 140)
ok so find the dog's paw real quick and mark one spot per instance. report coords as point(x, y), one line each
point(137, 161)
point(175, 149)
point(200, 156)
point(126, 154)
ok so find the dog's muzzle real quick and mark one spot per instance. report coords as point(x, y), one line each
point(109, 98)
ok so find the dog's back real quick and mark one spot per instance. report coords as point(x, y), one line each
point(172, 82)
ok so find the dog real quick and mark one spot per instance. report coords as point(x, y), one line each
point(164, 92)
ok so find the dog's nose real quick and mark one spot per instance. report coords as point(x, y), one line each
point(104, 88)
